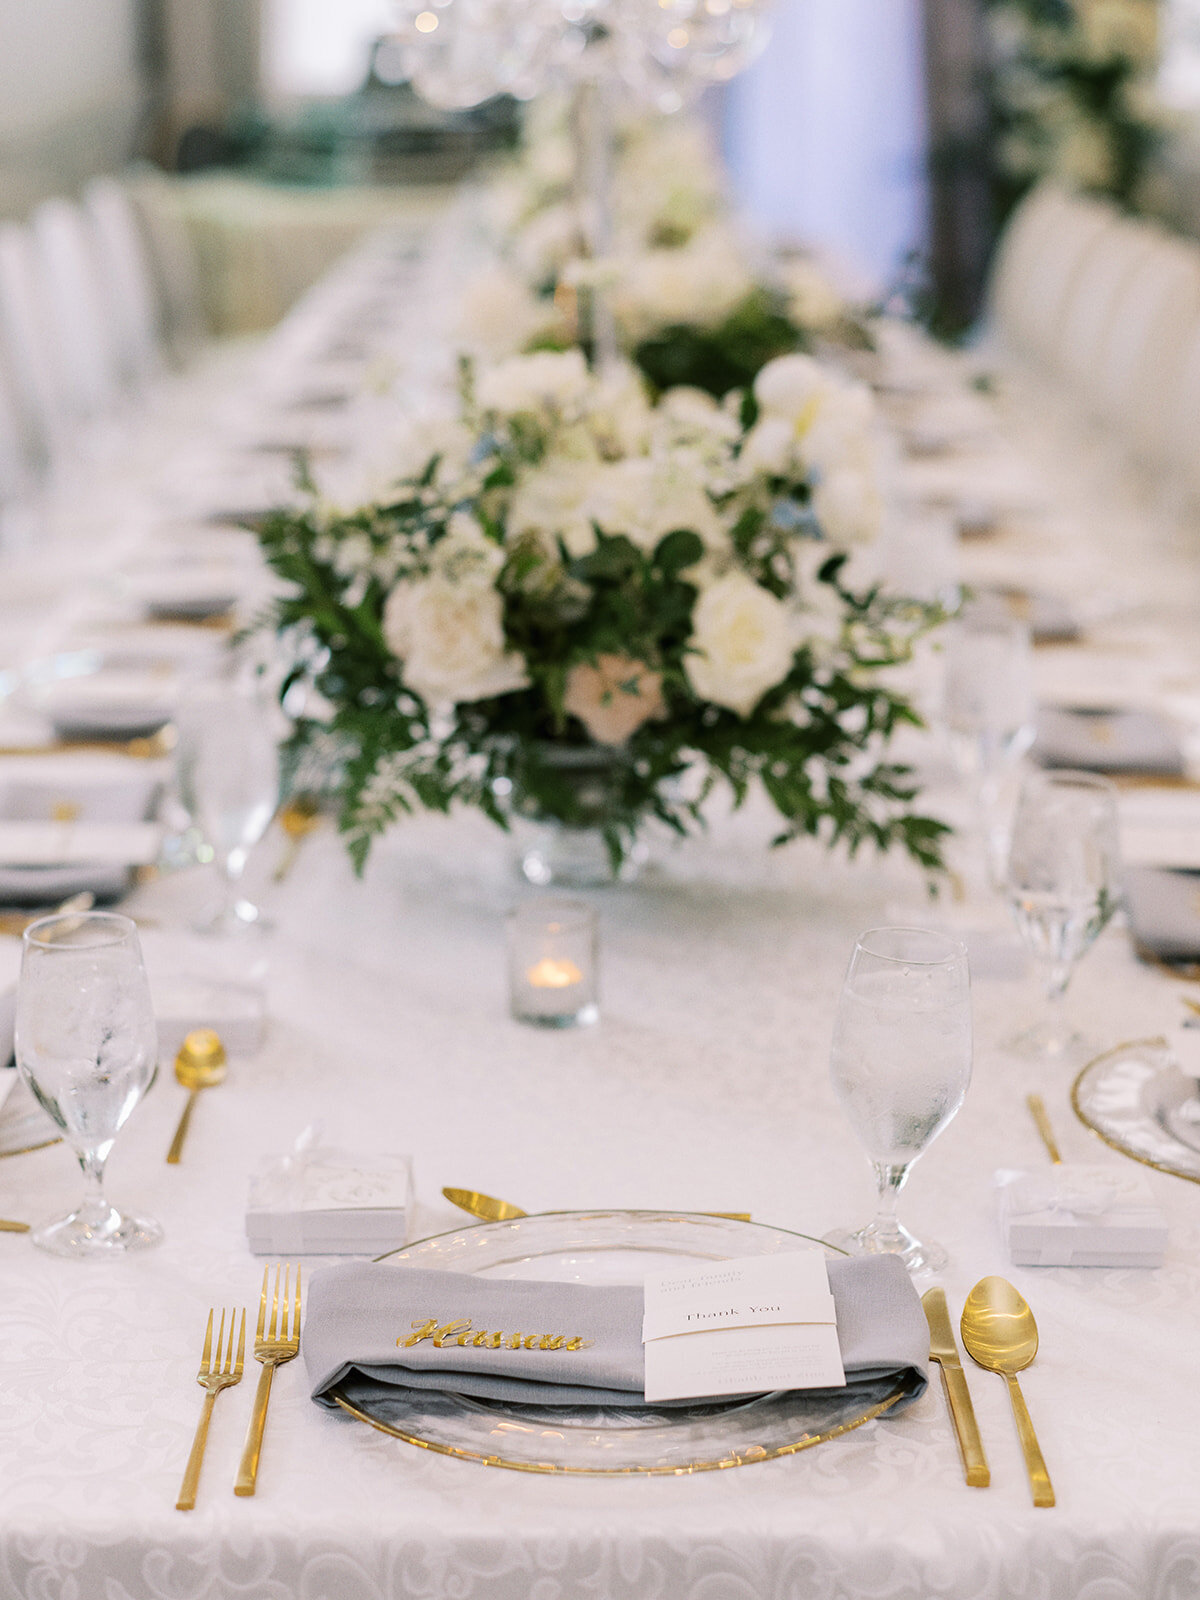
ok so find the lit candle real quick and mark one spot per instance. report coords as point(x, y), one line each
point(552, 974)
point(552, 963)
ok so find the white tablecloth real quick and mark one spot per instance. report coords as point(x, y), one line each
point(704, 1086)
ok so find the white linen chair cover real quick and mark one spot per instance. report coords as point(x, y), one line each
point(182, 329)
point(82, 324)
point(1139, 363)
point(32, 353)
point(1015, 266)
point(1078, 231)
point(1105, 273)
point(126, 277)
point(1182, 434)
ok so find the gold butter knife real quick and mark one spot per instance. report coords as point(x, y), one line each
point(944, 1351)
point(490, 1209)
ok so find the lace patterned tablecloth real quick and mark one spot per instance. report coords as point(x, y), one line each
point(704, 1086)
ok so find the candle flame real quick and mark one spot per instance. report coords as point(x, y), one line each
point(551, 974)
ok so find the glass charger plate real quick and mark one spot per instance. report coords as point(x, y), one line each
point(1140, 1102)
point(598, 1247)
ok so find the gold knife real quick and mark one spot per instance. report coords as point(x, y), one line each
point(944, 1351)
point(493, 1210)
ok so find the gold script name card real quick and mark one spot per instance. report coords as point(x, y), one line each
point(461, 1333)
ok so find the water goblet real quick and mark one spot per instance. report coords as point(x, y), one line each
point(87, 1047)
point(901, 1063)
point(988, 713)
point(1064, 877)
point(229, 782)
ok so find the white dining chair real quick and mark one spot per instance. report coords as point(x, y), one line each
point(1181, 433)
point(31, 353)
point(1080, 229)
point(82, 323)
point(171, 256)
point(1100, 283)
point(1138, 362)
point(126, 280)
point(1012, 281)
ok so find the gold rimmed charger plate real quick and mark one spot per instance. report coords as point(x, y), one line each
point(598, 1247)
point(1138, 1101)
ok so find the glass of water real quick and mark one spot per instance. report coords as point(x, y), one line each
point(1064, 883)
point(87, 1046)
point(901, 1063)
point(988, 712)
point(229, 782)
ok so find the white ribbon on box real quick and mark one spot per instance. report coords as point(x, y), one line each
point(1080, 1216)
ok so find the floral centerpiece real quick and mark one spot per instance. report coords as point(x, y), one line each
point(570, 578)
point(1073, 94)
point(691, 306)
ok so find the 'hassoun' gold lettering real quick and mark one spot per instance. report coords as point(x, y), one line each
point(460, 1332)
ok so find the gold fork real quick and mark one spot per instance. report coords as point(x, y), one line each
point(226, 1371)
point(273, 1345)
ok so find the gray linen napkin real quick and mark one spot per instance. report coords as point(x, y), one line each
point(1107, 741)
point(8, 1020)
point(360, 1314)
point(1163, 906)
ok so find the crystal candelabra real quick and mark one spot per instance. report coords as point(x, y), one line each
point(655, 53)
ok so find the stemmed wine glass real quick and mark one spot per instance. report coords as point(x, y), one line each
point(1064, 883)
point(87, 1046)
point(229, 782)
point(988, 711)
point(900, 1064)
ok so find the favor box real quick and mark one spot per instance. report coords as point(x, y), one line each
point(329, 1202)
point(1080, 1216)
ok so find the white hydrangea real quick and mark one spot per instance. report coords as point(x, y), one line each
point(546, 382)
point(555, 501)
point(700, 283)
point(646, 497)
point(499, 315)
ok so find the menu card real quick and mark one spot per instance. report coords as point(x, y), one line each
point(741, 1327)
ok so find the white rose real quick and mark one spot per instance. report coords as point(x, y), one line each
point(771, 448)
point(848, 504)
point(450, 639)
point(791, 386)
point(743, 638)
point(547, 381)
point(839, 427)
point(813, 300)
point(700, 284)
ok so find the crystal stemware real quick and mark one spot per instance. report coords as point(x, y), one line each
point(988, 712)
point(900, 1063)
point(1064, 877)
point(229, 782)
point(87, 1046)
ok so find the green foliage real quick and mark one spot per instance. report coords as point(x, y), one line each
point(725, 357)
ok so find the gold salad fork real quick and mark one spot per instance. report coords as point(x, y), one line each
point(273, 1345)
point(212, 1377)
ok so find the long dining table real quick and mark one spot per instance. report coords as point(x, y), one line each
point(704, 1086)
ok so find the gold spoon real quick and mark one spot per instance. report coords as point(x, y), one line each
point(297, 818)
point(1001, 1336)
point(199, 1065)
point(8, 1226)
point(493, 1210)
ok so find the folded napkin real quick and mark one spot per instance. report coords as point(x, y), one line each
point(1110, 740)
point(8, 1020)
point(1163, 906)
point(580, 1345)
point(37, 886)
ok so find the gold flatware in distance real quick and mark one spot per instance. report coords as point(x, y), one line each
point(1001, 1336)
point(944, 1351)
point(200, 1064)
point(489, 1209)
point(298, 818)
point(8, 1226)
point(1037, 1110)
point(15, 922)
point(213, 1376)
point(274, 1344)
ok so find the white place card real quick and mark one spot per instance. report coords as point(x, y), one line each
point(741, 1327)
point(54, 844)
